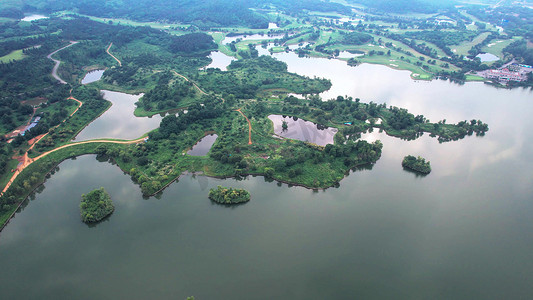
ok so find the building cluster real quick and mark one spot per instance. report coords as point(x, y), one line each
point(513, 72)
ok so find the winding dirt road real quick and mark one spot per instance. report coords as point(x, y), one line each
point(249, 126)
point(28, 161)
point(187, 79)
point(58, 62)
point(119, 62)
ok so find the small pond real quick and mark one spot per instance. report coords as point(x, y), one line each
point(302, 130)
point(92, 76)
point(220, 60)
point(203, 146)
point(487, 57)
point(33, 17)
point(346, 54)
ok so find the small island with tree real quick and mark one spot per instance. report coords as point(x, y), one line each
point(95, 206)
point(419, 164)
point(225, 195)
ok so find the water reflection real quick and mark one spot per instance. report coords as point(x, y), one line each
point(220, 60)
point(203, 146)
point(302, 130)
point(33, 17)
point(487, 57)
point(92, 76)
point(119, 122)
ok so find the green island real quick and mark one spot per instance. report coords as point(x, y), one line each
point(168, 61)
point(417, 164)
point(95, 206)
point(228, 196)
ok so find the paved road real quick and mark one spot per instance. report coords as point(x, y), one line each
point(58, 62)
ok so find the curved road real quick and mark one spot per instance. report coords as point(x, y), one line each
point(58, 62)
point(187, 79)
point(119, 62)
point(249, 126)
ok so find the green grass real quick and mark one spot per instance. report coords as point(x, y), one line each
point(13, 56)
point(173, 28)
point(474, 78)
point(496, 47)
point(462, 48)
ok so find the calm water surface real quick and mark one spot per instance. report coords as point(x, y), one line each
point(486, 57)
point(119, 122)
point(302, 130)
point(33, 17)
point(463, 232)
point(92, 76)
point(203, 146)
point(220, 60)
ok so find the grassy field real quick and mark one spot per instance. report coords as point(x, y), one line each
point(15, 55)
point(462, 49)
point(496, 47)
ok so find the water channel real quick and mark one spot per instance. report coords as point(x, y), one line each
point(463, 232)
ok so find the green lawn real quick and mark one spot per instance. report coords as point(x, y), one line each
point(15, 55)
point(496, 47)
point(462, 48)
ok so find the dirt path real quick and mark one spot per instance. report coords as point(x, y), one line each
point(187, 79)
point(119, 63)
point(249, 126)
point(58, 62)
point(26, 160)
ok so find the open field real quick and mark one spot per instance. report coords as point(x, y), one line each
point(15, 55)
point(462, 48)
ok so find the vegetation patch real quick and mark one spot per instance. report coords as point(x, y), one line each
point(417, 164)
point(225, 195)
point(95, 206)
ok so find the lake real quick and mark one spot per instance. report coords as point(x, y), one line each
point(463, 232)
point(118, 122)
point(92, 76)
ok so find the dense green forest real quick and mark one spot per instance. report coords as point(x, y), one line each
point(245, 78)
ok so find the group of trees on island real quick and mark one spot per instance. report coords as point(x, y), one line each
point(95, 206)
point(225, 195)
point(417, 164)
